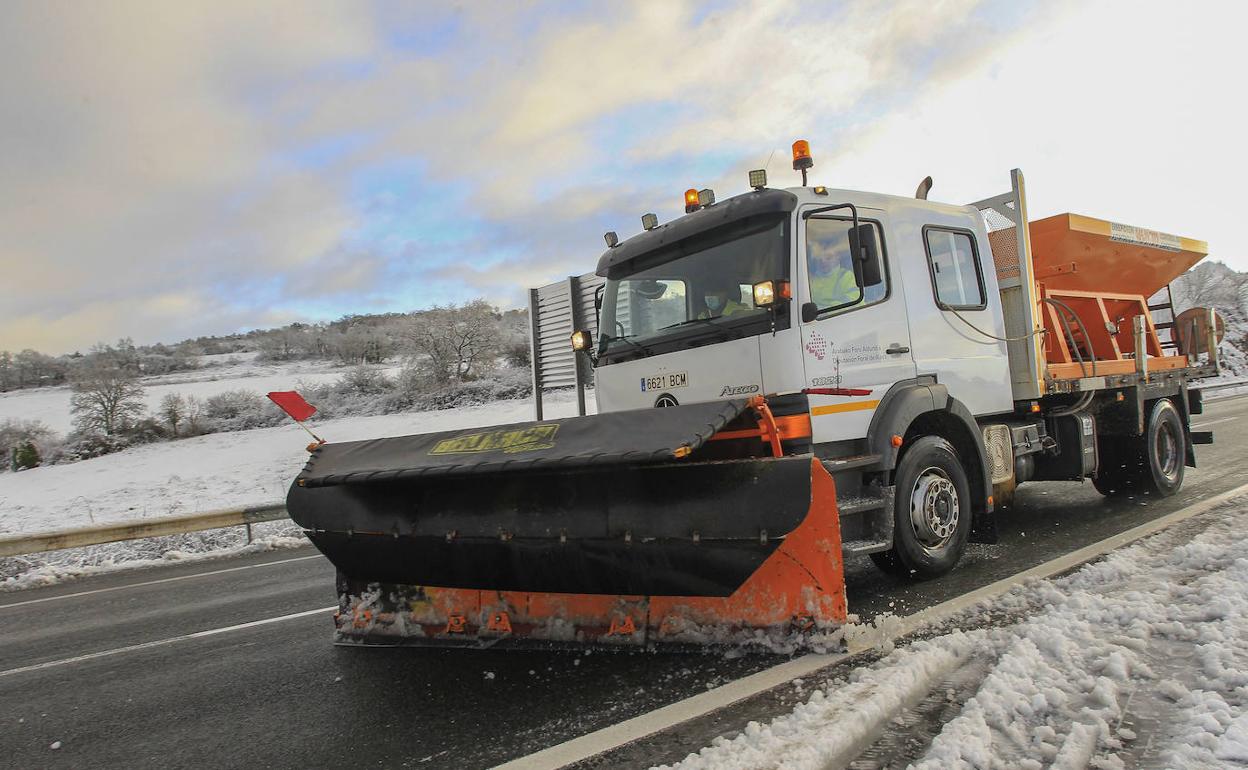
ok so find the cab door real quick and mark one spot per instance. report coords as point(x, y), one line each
point(860, 336)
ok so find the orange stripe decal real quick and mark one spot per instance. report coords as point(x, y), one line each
point(852, 406)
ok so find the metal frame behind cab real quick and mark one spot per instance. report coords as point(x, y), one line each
point(555, 311)
point(1018, 294)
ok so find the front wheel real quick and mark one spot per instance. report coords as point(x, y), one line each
point(931, 511)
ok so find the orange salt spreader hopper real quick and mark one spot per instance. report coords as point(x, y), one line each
point(1080, 253)
point(1094, 279)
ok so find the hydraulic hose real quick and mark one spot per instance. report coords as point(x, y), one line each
point(1070, 336)
point(992, 336)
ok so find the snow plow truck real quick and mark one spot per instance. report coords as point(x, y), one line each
point(783, 379)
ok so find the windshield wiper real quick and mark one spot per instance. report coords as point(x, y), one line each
point(635, 344)
point(731, 334)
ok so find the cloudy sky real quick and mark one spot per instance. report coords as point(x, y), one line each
point(175, 169)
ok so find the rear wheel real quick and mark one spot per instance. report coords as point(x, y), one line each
point(1152, 463)
point(932, 511)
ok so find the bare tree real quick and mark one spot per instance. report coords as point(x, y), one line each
point(173, 410)
point(106, 398)
point(460, 342)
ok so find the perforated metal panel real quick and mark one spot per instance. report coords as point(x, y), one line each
point(999, 448)
point(555, 311)
point(1003, 237)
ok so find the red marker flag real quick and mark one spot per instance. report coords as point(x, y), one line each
point(293, 404)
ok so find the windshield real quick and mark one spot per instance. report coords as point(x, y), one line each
point(697, 288)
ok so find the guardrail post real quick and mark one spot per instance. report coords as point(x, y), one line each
point(535, 352)
point(248, 526)
point(1212, 340)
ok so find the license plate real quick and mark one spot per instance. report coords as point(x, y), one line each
point(665, 381)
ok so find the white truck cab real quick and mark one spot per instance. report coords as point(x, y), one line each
point(661, 344)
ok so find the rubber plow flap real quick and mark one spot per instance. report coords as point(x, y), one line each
point(634, 437)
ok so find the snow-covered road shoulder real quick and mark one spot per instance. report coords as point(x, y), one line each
point(1139, 659)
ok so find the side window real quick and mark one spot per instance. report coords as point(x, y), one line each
point(830, 266)
point(954, 263)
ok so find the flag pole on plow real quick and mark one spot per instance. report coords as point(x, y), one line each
point(299, 410)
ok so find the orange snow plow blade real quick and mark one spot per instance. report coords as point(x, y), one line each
point(797, 588)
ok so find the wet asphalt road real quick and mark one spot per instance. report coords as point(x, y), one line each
point(280, 695)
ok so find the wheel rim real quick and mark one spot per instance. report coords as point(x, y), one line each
point(934, 509)
point(1168, 451)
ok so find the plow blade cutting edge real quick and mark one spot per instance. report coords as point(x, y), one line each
point(620, 529)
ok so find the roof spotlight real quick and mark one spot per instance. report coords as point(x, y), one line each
point(611, 238)
point(706, 197)
point(758, 178)
point(649, 221)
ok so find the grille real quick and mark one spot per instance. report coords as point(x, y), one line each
point(999, 448)
point(1002, 238)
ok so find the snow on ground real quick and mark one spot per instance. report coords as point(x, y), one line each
point(1137, 660)
point(237, 372)
point(219, 470)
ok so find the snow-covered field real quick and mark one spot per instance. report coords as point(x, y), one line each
point(1137, 660)
point(236, 372)
point(219, 470)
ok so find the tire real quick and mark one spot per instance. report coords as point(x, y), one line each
point(1152, 463)
point(931, 512)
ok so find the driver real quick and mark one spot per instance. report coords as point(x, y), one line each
point(831, 282)
point(722, 299)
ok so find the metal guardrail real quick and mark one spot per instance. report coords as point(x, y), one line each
point(1222, 386)
point(39, 542)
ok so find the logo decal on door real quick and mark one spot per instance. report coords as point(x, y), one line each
point(816, 345)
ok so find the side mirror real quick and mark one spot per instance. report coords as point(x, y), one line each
point(598, 296)
point(810, 311)
point(866, 251)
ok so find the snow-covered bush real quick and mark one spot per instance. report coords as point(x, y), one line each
point(81, 445)
point(365, 381)
point(159, 363)
point(25, 456)
point(24, 436)
point(416, 388)
point(504, 384)
point(239, 410)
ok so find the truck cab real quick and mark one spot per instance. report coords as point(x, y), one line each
point(679, 321)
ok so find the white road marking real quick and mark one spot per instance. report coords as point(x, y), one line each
point(156, 582)
point(1213, 422)
point(164, 642)
point(628, 731)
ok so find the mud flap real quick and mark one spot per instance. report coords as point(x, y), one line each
point(798, 586)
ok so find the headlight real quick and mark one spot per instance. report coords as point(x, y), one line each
point(768, 293)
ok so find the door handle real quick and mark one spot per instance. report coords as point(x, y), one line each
point(895, 349)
